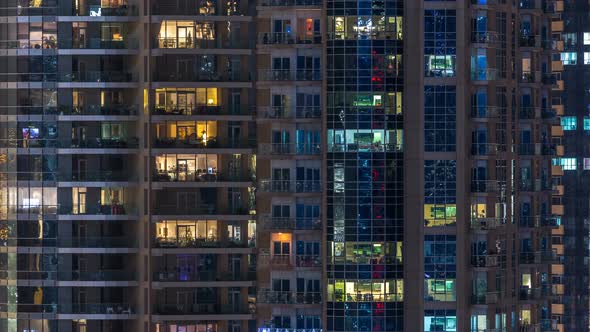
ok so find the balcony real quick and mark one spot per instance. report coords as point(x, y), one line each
point(281, 329)
point(198, 43)
point(30, 44)
point(485, 112)
point(538, 257)
point(537, 221)
point(487, 186)
point(531, 294)
point(484, 37)
point(200, 209)
point(122, 310)
point(105, 176)
point(203, 308)
point(289, 38)
point(101, 143)
point(290, 3)
point(535, 149)
point(106, 76)
point(282, 112)
point(175, 276)
point(280, 223)
point(528, 112)
point(125, 43)
point(487, 74)
point(486, 223)
point(527, 40)
point(308, 261)
point(67, 210)
point(365, 147)
point(98, 110)
point(123, 9)
point(486, 149)
point(530, 4)
point(289, 75)
point(289, 149)
point(200, 76)
point(194, 142)
point(530, 77)
point(289, 186)
point(203, 110)
point(6, 11)
point(485, 261)
point(484, 299)
point(102, 275)
point(193, 242)
point(288, 297)
point(199, 8)
point(201, 175)
point(103, 243)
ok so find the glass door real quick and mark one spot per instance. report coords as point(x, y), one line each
point(185, 36)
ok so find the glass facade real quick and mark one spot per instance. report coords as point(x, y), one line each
point(364, 166)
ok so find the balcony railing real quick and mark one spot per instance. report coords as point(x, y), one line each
point(71, 308)
point(201, 208)
point(530, 294)
point(46, 43)
point(282, 112)
point(537, 221)
point(106, 76)
point(175, 276)
point(281, 329)
point(485, 298)
point(7, 11)
point(288, 38)
point(488, 74)
point(487, 223)
point(199, 8)
point(527, 40)
point(126, 43)
point(532, 149)
point(484, 37)
point(203, 110)
point(288, 297)
point(102, 275)
point(98, 10)
point(201, 76)
point(74, 242)
point(102, 143)
point(123, 110)
point(289, 3)
point(290, 148)
point(190, 242)
point(308, 261)
point(487, 186)
point(81, 209)
point(486, 149)
point(199, 143)
point(289, 75)
point(106, 176)
point(198, 43)
point(489, 260)
point(538, 257)
point(203, 308)
point(281, 223)
point(365, 147)
point(200, 176)
point(288, 186)
point(485, 112)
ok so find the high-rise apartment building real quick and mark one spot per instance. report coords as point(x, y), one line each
point(281, 166)
point(575, 121)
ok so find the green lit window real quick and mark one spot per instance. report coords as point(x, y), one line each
point(587, 123)
point(568, 122)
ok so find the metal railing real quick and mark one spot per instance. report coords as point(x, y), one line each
point(289, 75)
point(288, 297)
point(289, 148)
point(365, 147)
point(291, 186)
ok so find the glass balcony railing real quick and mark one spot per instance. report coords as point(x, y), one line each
point(122, 109)
point(288, 297)
point(291, 186)
point(38, 44)
point(75, 242)
point(282, 112)
point(71, 308)
point(288, 38)
point(200, 176)
point(289, 75)
point(485, 112)
point(106, 76)
point(104, 176)
point(28, 11)
point(29, 110)
point(201, 208)
point(98, 10)
point(126, 43)
point(365, 147)
point(290, 148)
point(102, 275)
point(101, 143)
point(200, 8)
point(537, 221)
point(290, 3)
point(200, 143)
point(201, 76)
point(81, 209)
point(189, 242)
point(203, 110)
point(198, 43)
point(488, 74)
point(280, 223)
point(487, 186)
point(204, 307)
point(175, 276)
